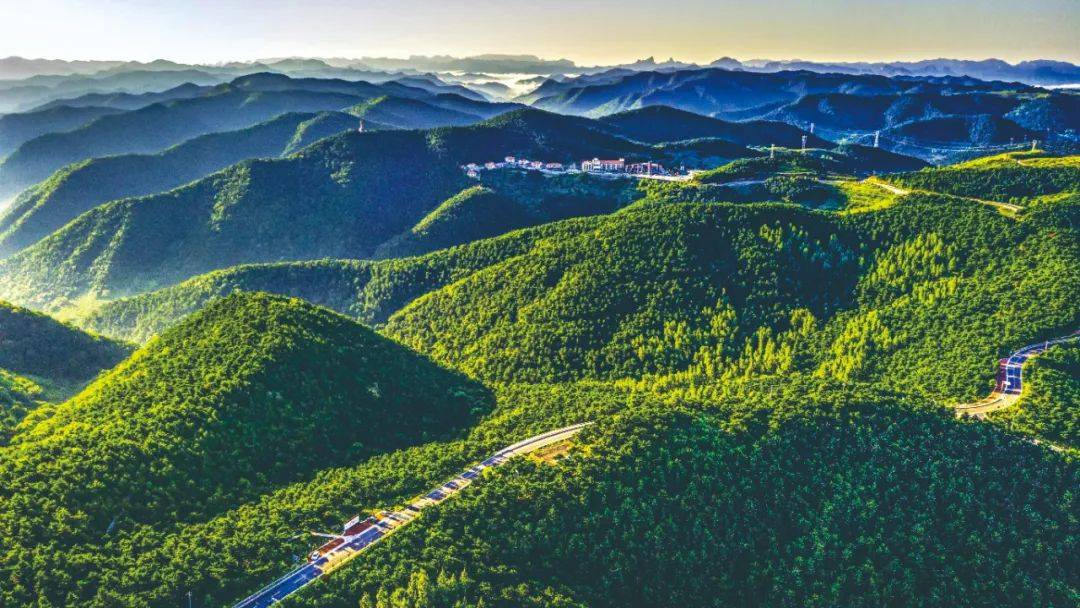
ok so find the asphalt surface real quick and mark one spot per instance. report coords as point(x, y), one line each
point(303, 575)
point(1010, 380)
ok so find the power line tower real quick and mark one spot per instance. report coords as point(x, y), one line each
point(1034, 145)
point(361, 129)
point(804, 144)
point(877, 138)
point(772, 151)
point(811, 128)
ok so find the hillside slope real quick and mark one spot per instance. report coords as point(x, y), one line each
point(37, 345)
point(341, 197)
point(656, 124)
point(252, 392)
point(15, 129)
point(1022, 178)
point(42, 359)
point(78, 188)
point(401, 113)
point(156, 127)
point(368, 291)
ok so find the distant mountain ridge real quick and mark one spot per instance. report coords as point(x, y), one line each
point(241, 103)
point(80, 187)
point(342, 197)
point(1038, 71)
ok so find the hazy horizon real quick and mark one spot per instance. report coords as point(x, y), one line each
point(588, 32)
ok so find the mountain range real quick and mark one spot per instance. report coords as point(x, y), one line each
point(780, 313)
point(1035, 72)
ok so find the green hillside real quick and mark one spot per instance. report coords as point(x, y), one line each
point(699, 292)
point(482, 211)
point(754, 498)
point(369, 291)
point(34, 344)
point(341, 197)
point(1019, 178)
point(325, 124)
point(769, 353)
point(17, 128)
point(845, 160)
point(157, 127)
point(401, 113)
point(774, 498)
point(78, 188)
point(19, 396)
point(338, 198)
point(253, 392)
point(42, 359)
point(508, 200)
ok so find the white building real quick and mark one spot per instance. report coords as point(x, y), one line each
point(603, 166)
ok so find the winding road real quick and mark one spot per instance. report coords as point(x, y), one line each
point(897, 190)
point(1007, 391)
point(1010, 379)
point(387, 522)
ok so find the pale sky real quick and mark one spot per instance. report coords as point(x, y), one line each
point(587, 31)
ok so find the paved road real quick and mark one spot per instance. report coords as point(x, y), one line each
point(303, 575)
point(1010, 379)
point(897, 190)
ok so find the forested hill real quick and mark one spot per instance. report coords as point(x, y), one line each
point(173, 122)
point(32, 343)
point(338, 198)
point(44, 360)
point(18, 128)
point(1027, 178)
point(80, 187)
point(231, 403)
point(691, 292)
point(244, 102)
point(769, 383)
point(655, 124)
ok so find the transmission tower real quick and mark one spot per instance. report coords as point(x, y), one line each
point(804, 143)
point(772, 151)
point(877, 136)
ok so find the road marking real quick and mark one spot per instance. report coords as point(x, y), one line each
point(1012, 385)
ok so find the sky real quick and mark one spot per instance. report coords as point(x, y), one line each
point(590, 32)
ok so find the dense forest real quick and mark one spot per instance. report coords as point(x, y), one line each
point(769, 352)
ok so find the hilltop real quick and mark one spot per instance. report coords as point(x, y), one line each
point(42, 360)
point(340, 197)
point(241, 103)
point(771, 374)
point(400, 113)
point(80, 187)
point(1024, 178)
point(252, 392)
point(657, 124)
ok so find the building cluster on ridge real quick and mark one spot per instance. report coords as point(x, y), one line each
point(596, 165)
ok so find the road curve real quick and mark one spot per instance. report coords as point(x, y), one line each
point(387, 522)
point(1010, 379)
